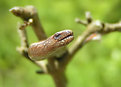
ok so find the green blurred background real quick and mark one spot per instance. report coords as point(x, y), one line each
point(97, 64)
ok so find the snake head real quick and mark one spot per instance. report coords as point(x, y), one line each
point(62, 38)
point(44, 49)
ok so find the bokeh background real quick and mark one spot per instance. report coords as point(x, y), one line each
point(97, 64)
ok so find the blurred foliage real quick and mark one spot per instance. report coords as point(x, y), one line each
point(97, 64)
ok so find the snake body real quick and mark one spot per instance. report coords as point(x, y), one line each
point(44, 49)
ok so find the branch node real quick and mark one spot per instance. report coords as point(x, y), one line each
point(40, 72)
point(88, 17)
point(26, 23)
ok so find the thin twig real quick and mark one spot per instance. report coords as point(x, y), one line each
point(93, 27)
point(88, 17)
point(77, 20)
point(29, 12)
point(24, 49)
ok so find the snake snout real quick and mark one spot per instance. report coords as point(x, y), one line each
point(63, 35)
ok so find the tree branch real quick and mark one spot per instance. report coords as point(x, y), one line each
point(56, 66)
point(91, 28)
point(29, 12)
point(24, 48)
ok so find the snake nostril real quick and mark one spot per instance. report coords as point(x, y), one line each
point(57, 36)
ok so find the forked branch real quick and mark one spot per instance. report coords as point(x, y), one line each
point(55, 66)
point(92, 27)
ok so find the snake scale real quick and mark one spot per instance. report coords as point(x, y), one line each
point(50, 46)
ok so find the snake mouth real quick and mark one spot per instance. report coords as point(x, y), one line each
point(67, 37)
point(64, 37)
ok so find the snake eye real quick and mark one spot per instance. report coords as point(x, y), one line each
point(57, 36)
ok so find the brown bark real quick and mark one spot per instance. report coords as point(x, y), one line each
point(60, 79)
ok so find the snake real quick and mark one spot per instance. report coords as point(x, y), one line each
point(54, 45)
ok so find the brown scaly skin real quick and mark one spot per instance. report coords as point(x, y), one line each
point(43, 49)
